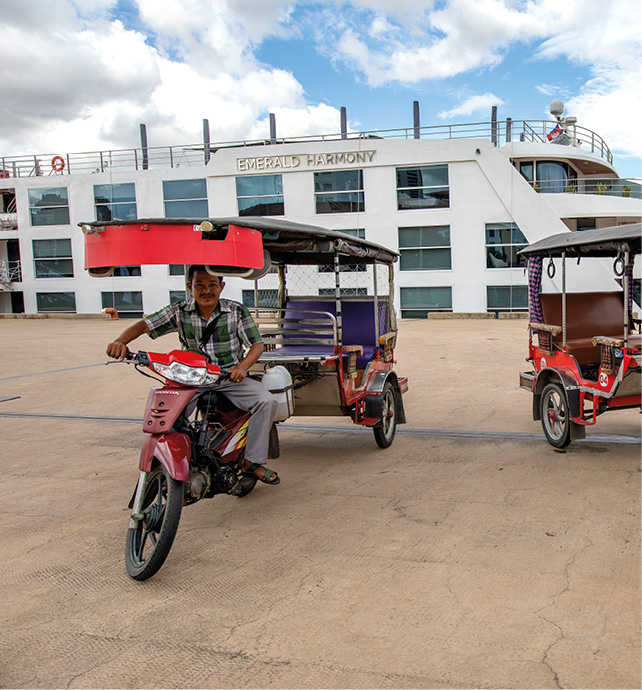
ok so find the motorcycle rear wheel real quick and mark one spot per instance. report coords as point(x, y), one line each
point(148, 544)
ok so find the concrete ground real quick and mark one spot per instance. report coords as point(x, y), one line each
point(461, 561)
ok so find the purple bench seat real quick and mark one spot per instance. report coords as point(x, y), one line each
point(358, 325)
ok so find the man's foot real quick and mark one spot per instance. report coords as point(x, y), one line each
point(261, 472)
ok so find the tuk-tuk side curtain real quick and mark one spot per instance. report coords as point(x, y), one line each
point(392, 316)
point(629, 271)
point(534, 288)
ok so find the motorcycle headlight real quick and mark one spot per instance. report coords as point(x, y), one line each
point(182, 373)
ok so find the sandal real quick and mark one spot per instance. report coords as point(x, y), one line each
point(250, 471)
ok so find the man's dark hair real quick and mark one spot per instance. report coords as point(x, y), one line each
point(198, 267)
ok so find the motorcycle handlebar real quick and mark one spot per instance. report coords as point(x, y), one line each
point(139, 357)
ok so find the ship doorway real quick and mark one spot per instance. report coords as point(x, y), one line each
point(17, 303)
point(13, 252)
point(10, 273)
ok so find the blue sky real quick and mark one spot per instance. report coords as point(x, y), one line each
point(80, 75)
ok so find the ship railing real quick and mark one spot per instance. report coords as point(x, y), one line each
point(10, 272)
point(9, 221)
point(149, 158)
point(607, 186)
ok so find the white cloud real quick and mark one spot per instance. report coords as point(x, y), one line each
point(298, 122)
point(462, 36)
point(611, 104)
point(481, 103)
point(609, 42)
point(77, 79)
point(61, 74)
point(213, 35)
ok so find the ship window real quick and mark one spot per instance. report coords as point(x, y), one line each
point(551, 177)
point(425, 248)
point(49, 206)
point(507, 298)
point(176, 296)
point(127, 304)
point(423, 187)
point(416, 302)
point(56, 302)
point(115, 201)
point(126, 271)
point(52, 259)
point(554, 177)
point(185, 198)
point(503, 241)
point(267, 298)
point(585, 224)
point(260, 195)
point(339, 192)
point(527, 171)
point(8, 199)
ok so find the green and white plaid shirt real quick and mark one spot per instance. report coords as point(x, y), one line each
point(235, 329)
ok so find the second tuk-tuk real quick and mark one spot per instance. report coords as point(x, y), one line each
point(586, 358)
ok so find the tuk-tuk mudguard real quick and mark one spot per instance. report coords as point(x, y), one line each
point(373, 403)
point(570, 384)
point(566, 378)
point(172, 450)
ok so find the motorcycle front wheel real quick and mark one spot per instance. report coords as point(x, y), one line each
point(148, 544)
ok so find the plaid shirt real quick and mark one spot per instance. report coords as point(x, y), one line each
point(235, 328)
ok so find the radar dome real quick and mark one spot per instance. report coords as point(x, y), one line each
point(557, 107)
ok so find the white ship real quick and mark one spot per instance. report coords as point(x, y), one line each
point(457, 202)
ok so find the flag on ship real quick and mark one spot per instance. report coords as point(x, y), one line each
point(554, 133)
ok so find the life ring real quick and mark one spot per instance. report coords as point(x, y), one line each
point(58, 163)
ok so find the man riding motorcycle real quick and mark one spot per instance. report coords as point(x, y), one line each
point(219, 329)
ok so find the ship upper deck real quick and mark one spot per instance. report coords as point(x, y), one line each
point(579, 142)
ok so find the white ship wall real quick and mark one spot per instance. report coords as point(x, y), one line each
point(484, 188)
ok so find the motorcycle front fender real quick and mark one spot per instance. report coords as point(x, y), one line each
point(173, 450)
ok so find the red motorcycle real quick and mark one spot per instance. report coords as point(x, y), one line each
point(194, 449)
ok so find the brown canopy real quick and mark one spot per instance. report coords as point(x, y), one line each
point(603, 242)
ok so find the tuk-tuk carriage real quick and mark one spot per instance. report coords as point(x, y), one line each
point(323, 301)
point(585, 355)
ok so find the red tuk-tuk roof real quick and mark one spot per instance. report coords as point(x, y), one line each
point(169, 241)
point(174, 241)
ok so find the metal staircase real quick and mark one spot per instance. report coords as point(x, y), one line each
point(10, 272)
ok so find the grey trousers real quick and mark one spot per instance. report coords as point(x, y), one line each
point(249, 395)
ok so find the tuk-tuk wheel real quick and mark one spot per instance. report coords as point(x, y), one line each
point(555, 416)
point(384, 433)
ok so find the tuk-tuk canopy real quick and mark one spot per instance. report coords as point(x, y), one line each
point(286, 241)
point(603, 242)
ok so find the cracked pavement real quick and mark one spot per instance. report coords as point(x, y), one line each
point(441, 562)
